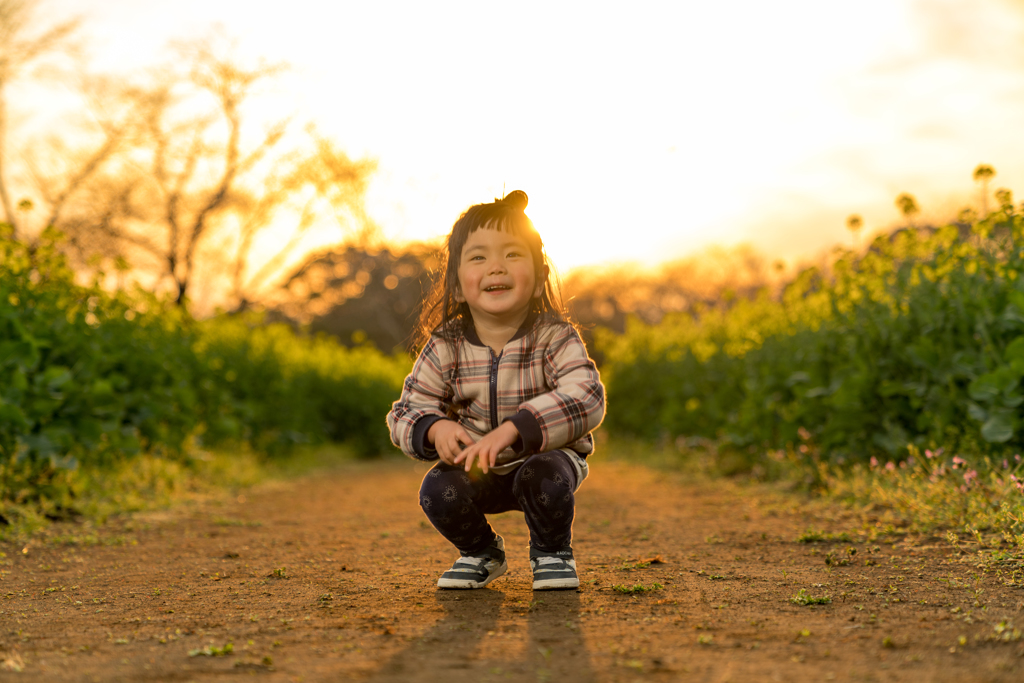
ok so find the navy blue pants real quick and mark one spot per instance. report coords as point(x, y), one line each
point(456, 501)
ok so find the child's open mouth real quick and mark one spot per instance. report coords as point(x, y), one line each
point(497, 288)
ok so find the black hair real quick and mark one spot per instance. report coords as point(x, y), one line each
point(442, 313)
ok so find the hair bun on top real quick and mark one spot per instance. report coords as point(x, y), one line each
point(517, 199)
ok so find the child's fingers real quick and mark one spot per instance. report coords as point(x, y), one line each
point(461, 439)
point(469, 454)
point(463, 436)
point(489, 456)
point(456, 448)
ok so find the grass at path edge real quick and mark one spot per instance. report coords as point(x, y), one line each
point(974, 503)
point(90, 497)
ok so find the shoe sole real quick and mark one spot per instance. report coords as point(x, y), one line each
point(467, 584)
point(555, 584)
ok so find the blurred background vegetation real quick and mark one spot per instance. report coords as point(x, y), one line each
point(151, 306)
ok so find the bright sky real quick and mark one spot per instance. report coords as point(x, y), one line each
point(641, 131)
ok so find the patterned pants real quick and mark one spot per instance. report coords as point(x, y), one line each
point(455, 501)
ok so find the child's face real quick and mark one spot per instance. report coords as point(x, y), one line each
point(497, 277)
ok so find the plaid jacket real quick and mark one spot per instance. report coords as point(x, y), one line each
point(543, 381)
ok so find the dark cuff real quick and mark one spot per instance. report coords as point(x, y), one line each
point(420, 445)
point(530, 435)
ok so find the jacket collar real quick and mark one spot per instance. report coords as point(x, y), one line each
point(524, 329)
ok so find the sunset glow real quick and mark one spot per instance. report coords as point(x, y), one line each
point(640, 132)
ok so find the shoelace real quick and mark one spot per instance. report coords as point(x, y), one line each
point(479, 562)
point(549, 560)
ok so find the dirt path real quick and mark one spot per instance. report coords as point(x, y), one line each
point(332, 578)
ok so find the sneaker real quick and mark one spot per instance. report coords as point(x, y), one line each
point(553, 571)
point(476, 571)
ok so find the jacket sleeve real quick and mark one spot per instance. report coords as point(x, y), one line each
point(424, 401)
point(575, 405)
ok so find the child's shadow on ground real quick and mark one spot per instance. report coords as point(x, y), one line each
point(468, 642)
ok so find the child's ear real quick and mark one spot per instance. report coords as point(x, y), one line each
point(542, 278)
point(458, 295)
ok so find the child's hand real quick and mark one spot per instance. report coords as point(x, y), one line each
point(486, 450)
point(448, 438)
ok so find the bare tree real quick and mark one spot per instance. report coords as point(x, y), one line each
point(184, 173)
point(326, 175)
point(20, 49)
point(170, 175)
point(60, 174)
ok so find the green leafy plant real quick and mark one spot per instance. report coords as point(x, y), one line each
point(919, 340)
point(804, 598)
point(212, 651)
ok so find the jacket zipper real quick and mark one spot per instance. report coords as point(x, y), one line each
point(494, 389)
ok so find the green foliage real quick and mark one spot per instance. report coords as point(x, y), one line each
point(275, 389)
point(804, 598)
point(930, 490)
point(212, 650)
point(91, 378)
point(918, 341)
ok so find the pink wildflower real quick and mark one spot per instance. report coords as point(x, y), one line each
point(889, 466)
point(1017, 457)
point(970, 476)
point(874, 461)
point(928, 454)
point(957, 461)
point(903, 465)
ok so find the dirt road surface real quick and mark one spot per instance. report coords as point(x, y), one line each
point(332, 578)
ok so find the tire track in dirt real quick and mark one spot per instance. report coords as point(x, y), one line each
point(332, 578)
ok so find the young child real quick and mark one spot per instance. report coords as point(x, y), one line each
point(503, 381)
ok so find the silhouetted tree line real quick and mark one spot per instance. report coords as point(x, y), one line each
point(358, 293)
point(371, 294)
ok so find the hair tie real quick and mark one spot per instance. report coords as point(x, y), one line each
point(517, 199)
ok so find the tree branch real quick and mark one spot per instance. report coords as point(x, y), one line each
point(278, 259)
point(88, 168)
